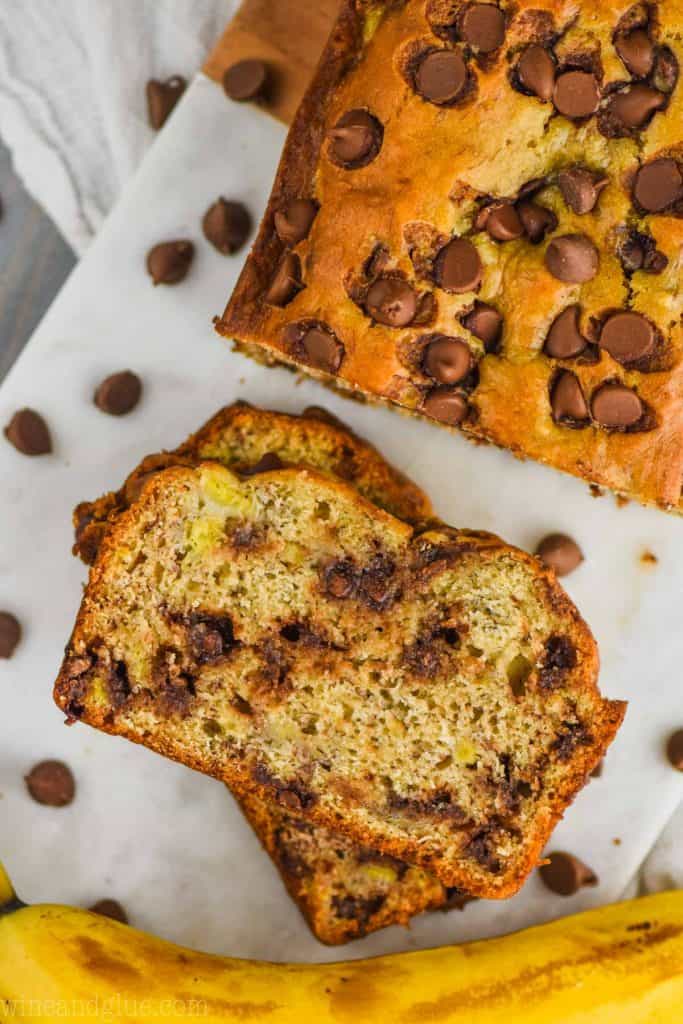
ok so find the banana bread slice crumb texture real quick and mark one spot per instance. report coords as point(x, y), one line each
point(431, 695)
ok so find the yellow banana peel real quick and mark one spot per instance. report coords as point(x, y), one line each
point(621, 964)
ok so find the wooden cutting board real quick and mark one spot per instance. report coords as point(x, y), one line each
point(288, 34)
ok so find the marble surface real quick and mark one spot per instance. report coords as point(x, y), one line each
point(167, 842)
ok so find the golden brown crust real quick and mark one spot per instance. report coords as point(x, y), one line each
point(435, 165)
point(242, 773)
point(239, 436)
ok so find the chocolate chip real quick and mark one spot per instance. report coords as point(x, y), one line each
point(483, 27)
point(162, 98)
point(665, 74)
point(536, 71)
point(246, 80)
point(627, 336)
point(485, 323)
point(674, 750)
point(658, 184)
point(567, 400)
point(572, 258)
point(458, 267)
point(634, 107)
point(446, 406)
point(355, 140)
point(503, 222)
point(293, 220)
point(322, 349)
point(441, 76)
point(447, 360)
point(636, 52)
point(564, 339)
point(576, 94)
point(286, 281)
point(10, 634)
point(340, 579)
point(119, 393)
point(639, 252)
point(226, 224)
point(614, 406)
point(266, 464)
point(391, 301)
point(580, 188)
point(51, 783)
point(110, 908)
point(537, 220)
point(28, 432)
point(565, 874)
point(169, 262)
point(559, 552)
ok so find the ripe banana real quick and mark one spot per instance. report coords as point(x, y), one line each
point(621, 964)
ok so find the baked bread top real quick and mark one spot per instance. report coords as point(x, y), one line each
point(430, 694)
point(246, 438)
point(477, 217)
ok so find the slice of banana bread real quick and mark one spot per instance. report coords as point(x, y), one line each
point(432, 695)
point(343, 890)
point(478, 219)
point(242, 437)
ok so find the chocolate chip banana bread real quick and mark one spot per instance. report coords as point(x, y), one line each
point(477, 218)
point(249, 439)
point(432, 694)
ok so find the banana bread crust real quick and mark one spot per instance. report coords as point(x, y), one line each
point(439, 171)
point(489, 860)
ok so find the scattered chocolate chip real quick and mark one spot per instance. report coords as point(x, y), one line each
point(226, 224)
point(627, 336)
point(446, 406)
point(447, 360)
point(559, 552)
point(293, 220)
point(567, 401)
point(441, 76)
point(503, 223)
point(564, 339)
point(576, 94)
point(119, 393)
point(572, 258)
point(51, 783)
point(266, 464)
point(536, 71)
point(658, 184)
point(169, 262)
point(246, 80)
point(340, 579)
point(391, 301)
point(485, 323)
point(636, 52)
point(537, 220)
point(639, 252)
point(458, 267)
point(634, 107)
point(355, 140)
point(565, 874)
point(483, 27)
point(110, 908)
point(322, 349)
point(614, 406)
point(29, 433)
point(286, 281)
point(162, 98)
point(674, 750)
point(10, 634)
point(580, 188)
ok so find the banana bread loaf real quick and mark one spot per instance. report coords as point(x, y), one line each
point(477, 218)
point(243, 437)
point(432, 695)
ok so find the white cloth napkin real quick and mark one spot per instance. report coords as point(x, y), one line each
point(73, 111)
point(72, 92)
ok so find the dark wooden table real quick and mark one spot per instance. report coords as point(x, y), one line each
point(34, 263)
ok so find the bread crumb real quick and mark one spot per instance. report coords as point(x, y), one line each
point(617, 842)
point(595, 491)
point(622, 501)
point(648, 558)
